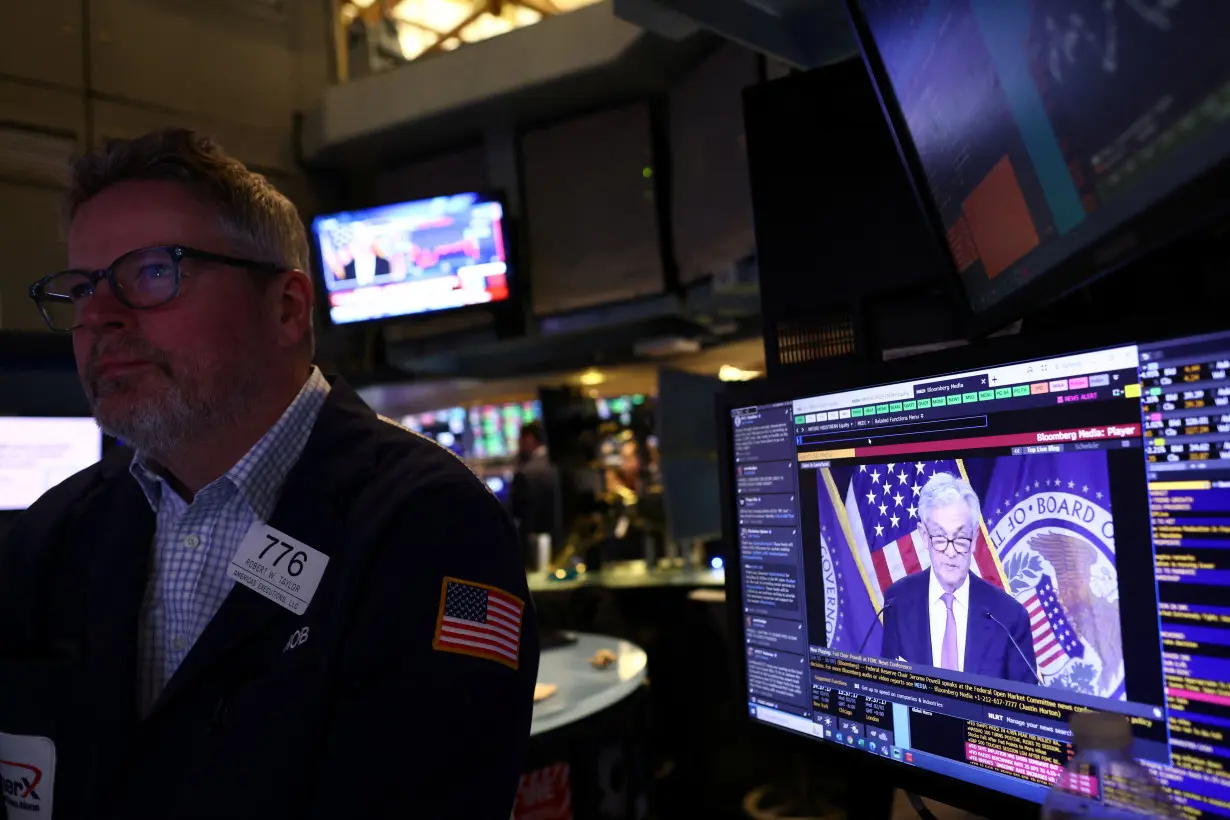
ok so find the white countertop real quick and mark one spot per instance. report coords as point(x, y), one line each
point(583, 690)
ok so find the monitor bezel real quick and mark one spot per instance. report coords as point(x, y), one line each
point(510, 250)
point(847, 374)
point(1186, 211)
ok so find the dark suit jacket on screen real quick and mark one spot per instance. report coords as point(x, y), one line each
point(383, 266)
point(988, 651)
point(361, 716)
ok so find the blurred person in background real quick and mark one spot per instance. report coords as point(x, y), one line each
point(535, 494)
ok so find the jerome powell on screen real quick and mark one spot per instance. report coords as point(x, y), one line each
point(946, 616)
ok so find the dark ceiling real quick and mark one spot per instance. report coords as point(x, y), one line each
point(803, 33)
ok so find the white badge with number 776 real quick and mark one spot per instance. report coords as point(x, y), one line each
point(271, 563)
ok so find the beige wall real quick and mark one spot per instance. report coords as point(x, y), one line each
point(238, 69)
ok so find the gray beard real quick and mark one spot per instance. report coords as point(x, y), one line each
point(163, 425)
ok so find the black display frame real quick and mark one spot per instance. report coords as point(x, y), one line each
point(1191, 209)
point(512, 252)
point(849, 375)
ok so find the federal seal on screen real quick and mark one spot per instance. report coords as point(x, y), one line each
point(1056, 542)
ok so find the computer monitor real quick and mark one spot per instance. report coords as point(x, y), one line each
point(417, 257)
point(1051, 141)
point(619, 408)
point(497, 427)
point(1073, 513)
point(500, 485)
point(687, 448)
point(36, 454)
point(446, 427)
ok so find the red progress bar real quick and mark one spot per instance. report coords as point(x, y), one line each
point(1071, 436)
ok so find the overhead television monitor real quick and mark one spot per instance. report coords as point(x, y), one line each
point(938, 572)
point(446, 427)
point(36, 454)
point(1041, 134)
point(417, 257)
point(497, 427)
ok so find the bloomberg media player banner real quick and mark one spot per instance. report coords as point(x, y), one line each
point(1044, 535)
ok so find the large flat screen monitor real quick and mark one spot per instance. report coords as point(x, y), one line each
point(1038, 131)
point(687, 448)
point(1073, 515)
point(415, 257)
point(36, 454)
point(619, 408)
point(497, 427)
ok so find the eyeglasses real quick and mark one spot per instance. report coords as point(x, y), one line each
point(142, 279)
point(960, 545)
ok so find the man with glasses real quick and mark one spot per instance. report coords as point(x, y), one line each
point(282, 605)
point(945, 616)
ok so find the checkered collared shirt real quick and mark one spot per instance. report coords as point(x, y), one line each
point(193, 543)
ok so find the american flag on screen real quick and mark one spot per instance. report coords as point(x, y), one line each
point(882, 506)
point(1054, 639)
point(479, 620)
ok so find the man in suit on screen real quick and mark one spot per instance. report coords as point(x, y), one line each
point(366, 266)
point(366, 262)
point(946, 616)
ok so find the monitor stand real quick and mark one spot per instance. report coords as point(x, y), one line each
point(811, 786)
point(907, 806)
point(894, 804)
point(915, 802)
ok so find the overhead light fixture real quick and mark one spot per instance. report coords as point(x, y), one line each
point(449, 23)
point(414, 41)
point(486, 27)
point(440, 16)
point(730, 373)
point(592, 378)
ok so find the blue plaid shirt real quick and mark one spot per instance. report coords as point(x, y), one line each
point(194, 543)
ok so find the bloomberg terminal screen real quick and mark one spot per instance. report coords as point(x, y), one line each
point(941, 572)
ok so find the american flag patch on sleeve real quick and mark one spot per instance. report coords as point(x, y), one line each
point(479, 620)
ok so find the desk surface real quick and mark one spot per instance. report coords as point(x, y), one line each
point(631, 576)
point(583, 690)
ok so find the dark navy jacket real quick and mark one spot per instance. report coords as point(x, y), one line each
point(988, 651)
point(363, 719)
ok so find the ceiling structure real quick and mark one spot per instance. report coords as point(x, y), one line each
point(398, 399)
point(426, 27)
point(801, 33)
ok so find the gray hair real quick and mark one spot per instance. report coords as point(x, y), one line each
point(943, 489)
point(255, 216)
